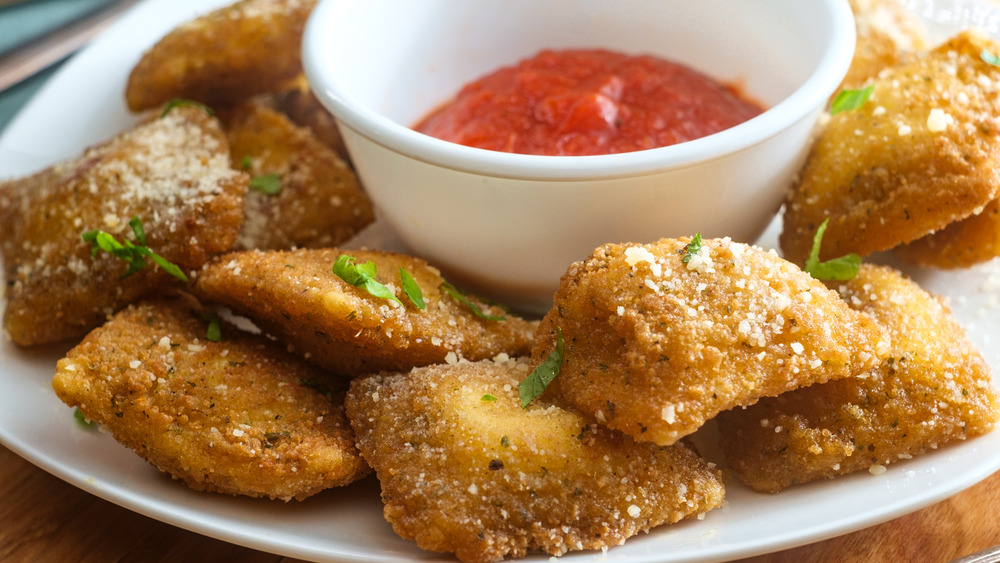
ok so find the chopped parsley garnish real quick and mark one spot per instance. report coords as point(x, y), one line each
point(214, 332)
point(181, 102)
point(693, 247)
point(843, 268)
point(488, 398)
point(411, 289)
point(269, 184)
point(247, 162)
point(989, 58)
point(541, 376)
point(363, 276)
point(461, 298)
point(82, 420)
point(847, 100)
point(135, 255)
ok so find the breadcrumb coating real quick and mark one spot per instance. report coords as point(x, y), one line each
point(465, 469)
point(238, 416)
point(961, 244)
point(320, 202)
point(935, 388)
point(922, 153)
point(656, 346)
point(172, 172)
point(224, 56)
point(887, 35)
point(301, 105)
point(296, 297)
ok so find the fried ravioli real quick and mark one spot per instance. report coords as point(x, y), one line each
point(660, 338)
point(224, 56)
point(887, 34)
point(934, 389)
point(171, 172)
point(296, 297)
point(238, 416)
point(961, 244)
point(300, 104)
point(318, 201)
point(465, 469)
point(922, 153)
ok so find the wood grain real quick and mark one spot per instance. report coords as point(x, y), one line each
point(952, 528)
point(45, 519)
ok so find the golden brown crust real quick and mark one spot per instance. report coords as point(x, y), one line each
point(224, 56)
point(320, 203)
point(297, 297)
point(172, 172)
point(935, 389)
point(887, 34)
point(301, 105)
point(961, 244)
point(240, 416)
point(923, 152)
point(464, 469)
point(655, 347)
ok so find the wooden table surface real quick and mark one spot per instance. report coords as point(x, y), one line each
point(45, 519)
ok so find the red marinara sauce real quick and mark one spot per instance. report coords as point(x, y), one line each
point(586, 102)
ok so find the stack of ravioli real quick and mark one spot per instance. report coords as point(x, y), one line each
point(224, 333)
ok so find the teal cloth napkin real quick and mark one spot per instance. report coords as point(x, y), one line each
point(25, 21)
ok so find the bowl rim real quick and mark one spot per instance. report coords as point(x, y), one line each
point(810, 97)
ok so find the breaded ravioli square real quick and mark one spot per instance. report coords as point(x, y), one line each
point(920, 154)
point(170, 172)
point(961, 244)
point(661, 337)
point(887, 34)
point(935, 388)
point(297, 297)
point(300, 104)
point(465, 469)
point(224, 56)
point(302, 194)
point(239, 415)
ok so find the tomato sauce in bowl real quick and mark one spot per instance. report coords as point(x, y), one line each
point(588, 102)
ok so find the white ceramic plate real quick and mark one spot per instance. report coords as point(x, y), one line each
point(83, 104)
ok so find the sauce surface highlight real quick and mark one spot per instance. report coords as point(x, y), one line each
point(587, 102)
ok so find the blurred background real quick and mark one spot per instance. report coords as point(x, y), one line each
point(23, 22)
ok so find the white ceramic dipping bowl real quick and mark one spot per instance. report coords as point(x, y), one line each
point(508, 226)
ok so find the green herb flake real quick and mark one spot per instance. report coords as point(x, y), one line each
point(138, 230)
point(838, 269)
point(693, 247)
point(214, 332)
point(461, 298)
point(363, 276)
point(505, 442)
point(246, 163)
point(82, 420)
point(849, 100)
point(267, 184)
point(411, 289)
point(181, 102)
point(989, 57)
point(134, 255)
point(541, 376)
point(488, 398)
